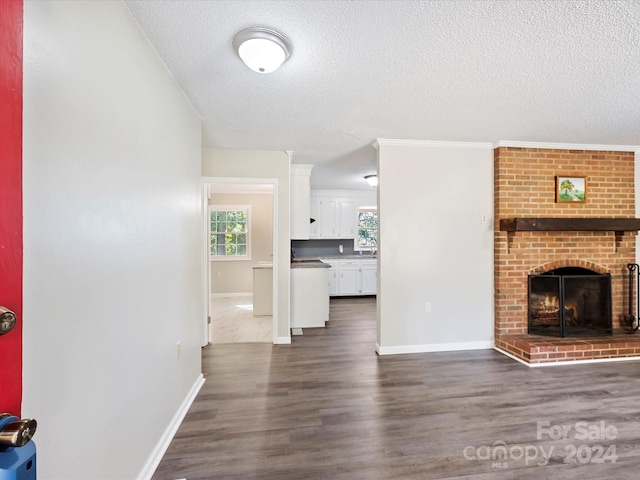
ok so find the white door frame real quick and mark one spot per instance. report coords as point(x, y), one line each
point(206, 270)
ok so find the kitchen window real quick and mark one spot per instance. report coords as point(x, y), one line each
point(367, 229)
point(230, 229)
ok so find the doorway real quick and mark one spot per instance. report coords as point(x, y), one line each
point(228, 275)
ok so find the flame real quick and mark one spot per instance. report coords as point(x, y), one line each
point(551, 302)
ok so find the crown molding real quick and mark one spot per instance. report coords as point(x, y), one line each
point(567, 146)
point(301, 169)
point(377, 143)
point(391, 142)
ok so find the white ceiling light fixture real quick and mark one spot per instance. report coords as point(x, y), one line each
point(262, 49)
point(372, 180)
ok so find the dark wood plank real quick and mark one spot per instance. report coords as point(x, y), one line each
point(569, 224)
point(327, 407)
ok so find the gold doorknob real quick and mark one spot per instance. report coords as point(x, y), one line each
point(7, 320)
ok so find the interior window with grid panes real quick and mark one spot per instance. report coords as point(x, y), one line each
point(367, 229)
point(230, 227)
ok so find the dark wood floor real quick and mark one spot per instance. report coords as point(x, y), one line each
point(327, 407)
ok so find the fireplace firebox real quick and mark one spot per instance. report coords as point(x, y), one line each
point(570, 302)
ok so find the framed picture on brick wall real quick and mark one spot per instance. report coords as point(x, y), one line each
point(571, 189)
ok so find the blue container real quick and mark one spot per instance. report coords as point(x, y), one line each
point(18, 463)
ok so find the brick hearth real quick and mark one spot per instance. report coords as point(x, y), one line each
point(536, 349)
point(525, 187)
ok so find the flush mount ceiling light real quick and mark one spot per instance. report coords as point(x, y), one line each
point(263, 50)
point(372, 180)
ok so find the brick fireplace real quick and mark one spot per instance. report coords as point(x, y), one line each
point(524, 189)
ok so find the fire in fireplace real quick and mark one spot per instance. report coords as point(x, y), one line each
point(570, 302)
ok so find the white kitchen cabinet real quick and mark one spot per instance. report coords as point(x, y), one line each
point(334, 218)
point(328, 219)
point(348, 278)
point(352, 277)
point(300, 184)
point(347, 215)
point(314, 210)
point(309, 297)
point(333, 281)
point(368, 277)
point(324, 212)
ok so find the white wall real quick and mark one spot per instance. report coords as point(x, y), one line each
point(433, 247)
point(267, 165)
point(229, 276)
point(112, 241)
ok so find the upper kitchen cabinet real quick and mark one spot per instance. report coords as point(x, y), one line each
point(328, 221)
point(333, 218)
point(300, 201)
point(347, 219)
point(314, 228)
point(334, 213)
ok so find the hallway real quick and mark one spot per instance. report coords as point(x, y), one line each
point(327, 407)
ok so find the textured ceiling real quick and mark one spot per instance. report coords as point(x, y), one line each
point(548, 71)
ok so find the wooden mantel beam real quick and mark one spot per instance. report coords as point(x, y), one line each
point(569, 224)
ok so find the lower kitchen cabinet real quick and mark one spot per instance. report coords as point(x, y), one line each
point(309, 297)
point(348, 278)
point(352, 277)
point(333, 281)
point(369, 279)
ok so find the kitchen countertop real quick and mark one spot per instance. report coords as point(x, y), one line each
point(263, 265)
point(365, 256)
point(308, 263)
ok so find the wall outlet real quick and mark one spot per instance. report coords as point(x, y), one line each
point(427, 307)
point(178, 349)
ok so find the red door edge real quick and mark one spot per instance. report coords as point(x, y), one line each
point(11, 249)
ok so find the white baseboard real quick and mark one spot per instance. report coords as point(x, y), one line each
point(162, 445)
point(223, 295)
point(282, 341)
point(433, 347)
